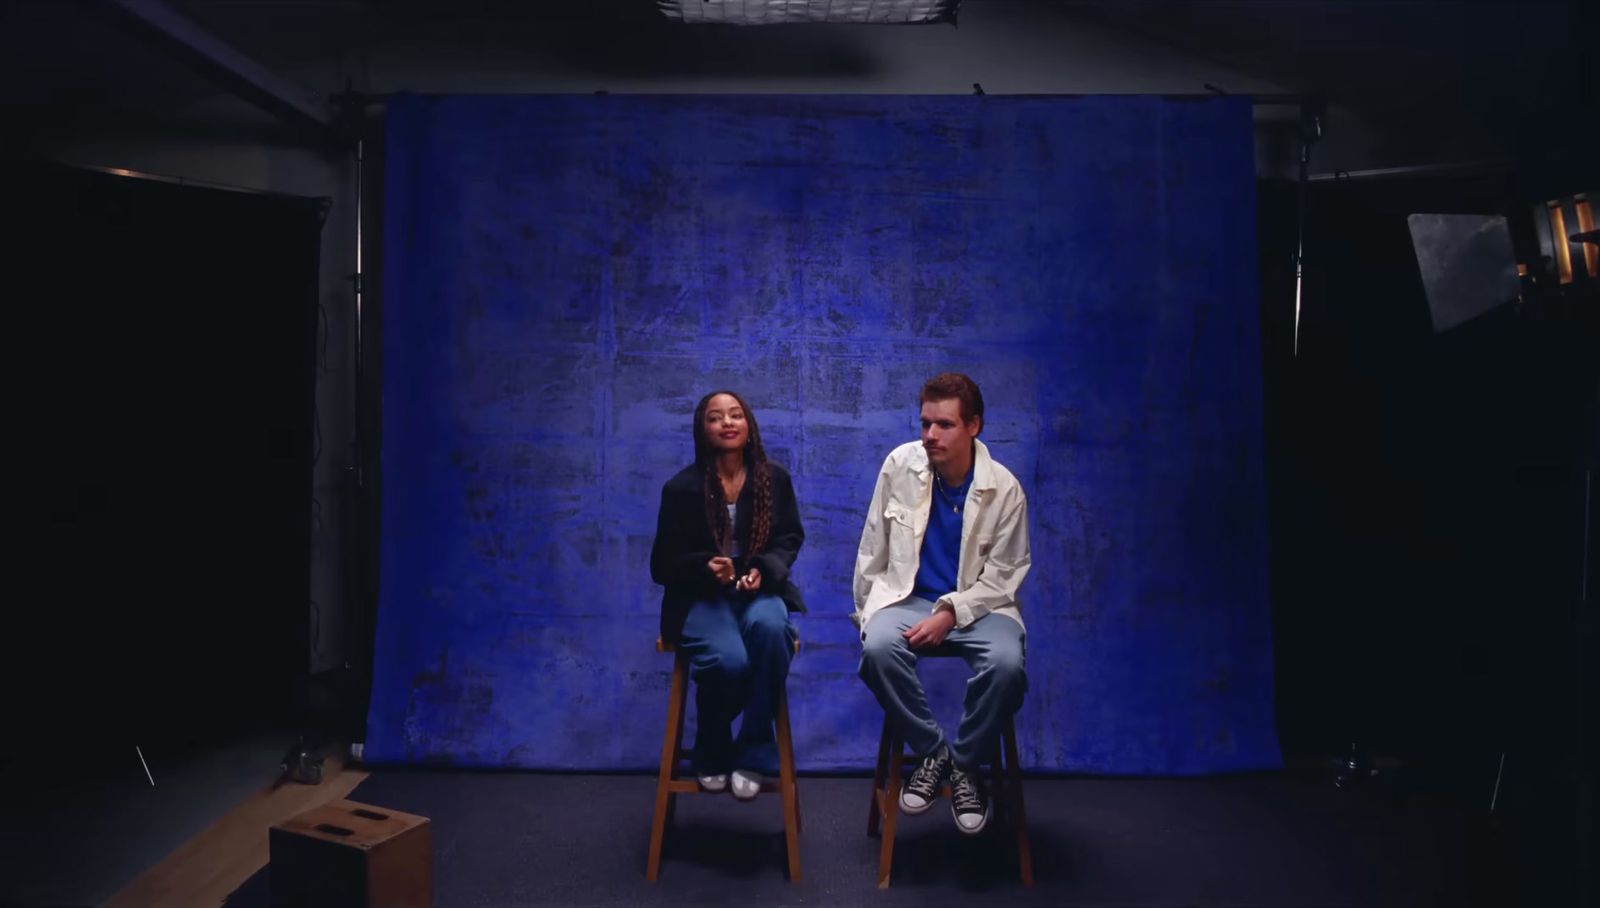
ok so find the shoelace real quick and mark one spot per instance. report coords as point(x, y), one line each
point(925, 781)
point(964, 793)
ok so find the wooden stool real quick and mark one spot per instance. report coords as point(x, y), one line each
point(1005, 793)
point(669, 784)
point(349, 854)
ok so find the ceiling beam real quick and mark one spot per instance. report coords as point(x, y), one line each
point(224, 64)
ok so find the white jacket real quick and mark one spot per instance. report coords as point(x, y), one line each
point(994, 538)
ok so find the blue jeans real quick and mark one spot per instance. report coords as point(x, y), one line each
point(994, 647)
point(739, 648)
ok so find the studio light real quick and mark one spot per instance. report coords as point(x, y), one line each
point(782, 12)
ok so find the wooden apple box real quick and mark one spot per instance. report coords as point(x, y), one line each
point(350, 854)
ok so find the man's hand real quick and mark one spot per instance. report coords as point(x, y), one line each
point(750, 582)
point(930, 631)
point(721, 567)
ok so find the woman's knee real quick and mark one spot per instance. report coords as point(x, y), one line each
point(725, 663)
point(768, 618)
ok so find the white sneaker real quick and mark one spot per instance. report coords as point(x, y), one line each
point(717, 782)
point(746, 784)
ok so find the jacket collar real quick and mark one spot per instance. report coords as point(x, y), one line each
point(982, 466)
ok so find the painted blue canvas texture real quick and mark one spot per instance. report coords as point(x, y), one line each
point(565, 276)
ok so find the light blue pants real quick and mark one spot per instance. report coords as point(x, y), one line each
point(739, 647)
point(994, 647)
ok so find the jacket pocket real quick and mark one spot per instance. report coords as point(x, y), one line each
point(901, 535)
point(985, 544)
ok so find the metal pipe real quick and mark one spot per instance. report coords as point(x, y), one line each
point(359, 281)
point(1415, 170)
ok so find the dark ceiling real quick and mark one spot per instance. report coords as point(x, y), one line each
point(1475, 71)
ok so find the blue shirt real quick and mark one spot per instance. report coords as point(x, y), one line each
point(940, 563)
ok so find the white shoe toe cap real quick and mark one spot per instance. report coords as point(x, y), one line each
point(746, 785)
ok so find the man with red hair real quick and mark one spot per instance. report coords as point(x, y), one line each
point(944, 548)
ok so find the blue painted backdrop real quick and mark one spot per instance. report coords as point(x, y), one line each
point(565, 276)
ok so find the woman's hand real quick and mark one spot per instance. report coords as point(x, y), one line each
point(721, 567)
point(750, 582)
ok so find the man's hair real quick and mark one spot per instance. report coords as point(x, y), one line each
point(948, 385)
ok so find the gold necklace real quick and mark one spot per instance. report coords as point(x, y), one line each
point(945, 494)
point(737, 485)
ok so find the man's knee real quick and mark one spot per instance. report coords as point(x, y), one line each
point(882, 637)
point(883, 649)
point(1005, 666)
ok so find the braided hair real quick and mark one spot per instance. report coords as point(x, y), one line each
point(756, 471)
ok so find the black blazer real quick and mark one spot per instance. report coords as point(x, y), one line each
point(684, 544)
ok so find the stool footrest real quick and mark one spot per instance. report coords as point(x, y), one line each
point(676, 776)
point(1005, 790)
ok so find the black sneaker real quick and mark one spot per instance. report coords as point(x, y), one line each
point(922, 787)
point(969, 803)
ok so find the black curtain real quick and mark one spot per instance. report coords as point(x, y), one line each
point(166, 337)
point(1427, 499)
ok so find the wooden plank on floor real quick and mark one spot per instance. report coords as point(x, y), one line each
point(205, 870)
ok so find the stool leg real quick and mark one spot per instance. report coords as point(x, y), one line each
point(997, 780)
point(676, 698)
point(874, 813)
point(786, 784)
point(1019, 817)
point(678, 756)
point(891, 810)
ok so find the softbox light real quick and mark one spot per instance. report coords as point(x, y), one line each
point(780, 12)
point(1467, 264)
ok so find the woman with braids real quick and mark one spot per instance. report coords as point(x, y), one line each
point(726, 535)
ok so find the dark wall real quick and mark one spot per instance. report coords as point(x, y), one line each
point(1428, 496)
point(165, 335)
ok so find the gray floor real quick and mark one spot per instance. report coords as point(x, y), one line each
point(525, 839)
point(506, 839)
point(77, 834)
